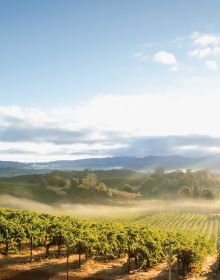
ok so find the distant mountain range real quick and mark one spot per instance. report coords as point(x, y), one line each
point(10, 168)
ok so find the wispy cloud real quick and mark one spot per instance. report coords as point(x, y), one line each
point(211, 65)
point(141, 56)
point(205, 45)
point(204, 40)
point(200, 53)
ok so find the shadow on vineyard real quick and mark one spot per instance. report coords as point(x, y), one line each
point(55, 269)
point(40, 268)
point(32, 274)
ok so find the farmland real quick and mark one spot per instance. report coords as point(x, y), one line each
point(30, 239)
point(109, 225)
point(207, 225)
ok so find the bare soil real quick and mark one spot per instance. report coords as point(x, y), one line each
point(17, 268)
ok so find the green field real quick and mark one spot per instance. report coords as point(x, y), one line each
point(204, 224)
point(24, 190)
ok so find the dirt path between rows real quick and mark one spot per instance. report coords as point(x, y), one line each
point(55, 269)
point(209, 270)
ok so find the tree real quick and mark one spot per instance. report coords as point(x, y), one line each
point(127, 188)
point(74, 183)
point(185, 192)
point(155, 192)
point(208, 194)
point(90, 180)
point(56, 181)
point(158, 172)
point(196, 192)
point(147, 185)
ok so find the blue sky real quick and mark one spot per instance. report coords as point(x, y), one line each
point(61, 51)
point(65, 64)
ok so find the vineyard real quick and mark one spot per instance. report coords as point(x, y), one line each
point(144, 242)
point(207, 225)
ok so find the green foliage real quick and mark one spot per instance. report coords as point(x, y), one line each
point(109, 185)
point(192, 223)
point(189, 184)
point(144, 245)
point(56, 181)
point(192, 252)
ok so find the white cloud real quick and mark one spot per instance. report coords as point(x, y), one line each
point(203, 40)
point(33, 115)
point(134, 115)
point(200, 52)
point(159, 114)
point(205, 52)
point(108, 122)
point(211, 65)
point(207, 45)
point(165, 58)
point(27, 151)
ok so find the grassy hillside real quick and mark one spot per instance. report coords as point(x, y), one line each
point(29, 191)
point(66, 187)
point(110, 187)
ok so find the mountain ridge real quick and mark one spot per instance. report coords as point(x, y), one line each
point(126, 162)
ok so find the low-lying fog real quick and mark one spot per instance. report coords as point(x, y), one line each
point(98, 211)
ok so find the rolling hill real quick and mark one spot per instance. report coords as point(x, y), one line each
point(10, 168)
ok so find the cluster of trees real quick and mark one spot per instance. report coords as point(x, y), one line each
point(125, 184)
point(91, 184)
point(86, 187)
point(197, 192)
point(143, 245)
point(178, 183)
